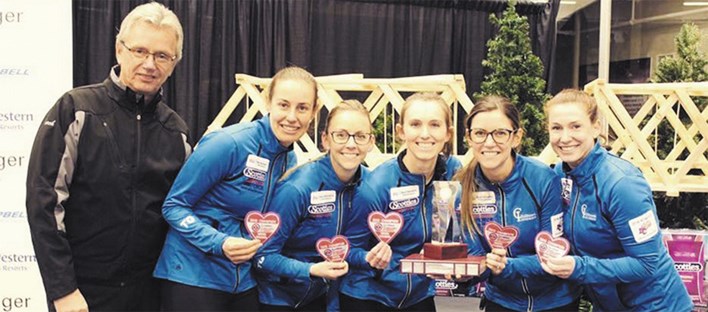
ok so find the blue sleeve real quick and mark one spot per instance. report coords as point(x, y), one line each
point(528, 266)
point(357, 231)
point(629, 201)
point(211, 162)
point(288, 202)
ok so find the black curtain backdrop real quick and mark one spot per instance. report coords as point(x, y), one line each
point(379, 39)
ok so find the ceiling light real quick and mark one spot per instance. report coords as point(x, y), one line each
point(694, 3)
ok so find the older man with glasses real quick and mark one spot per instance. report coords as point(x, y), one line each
point(102, 163)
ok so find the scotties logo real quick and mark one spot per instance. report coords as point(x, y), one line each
point(403, 204)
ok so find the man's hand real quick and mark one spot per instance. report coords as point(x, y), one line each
point(379, 256)
point(329, 270)
point(73, 302)
point(240, 250)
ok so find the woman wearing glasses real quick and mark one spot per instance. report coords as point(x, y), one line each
point(314, 201)
point(512, 190)
point(610, 220)
point(403, 185)
point(205, 261)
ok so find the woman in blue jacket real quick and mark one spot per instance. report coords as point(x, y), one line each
point(314, 201)
point(512, 190)
point(403, 185)
point(610, 218)
point(205, 259)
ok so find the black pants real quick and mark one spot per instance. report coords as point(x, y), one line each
point(493, 307)
point(139, 295)
point(181, 297)
point(347, 303)
point(319, 304)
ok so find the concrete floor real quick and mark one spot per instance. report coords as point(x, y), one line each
point(456, 304)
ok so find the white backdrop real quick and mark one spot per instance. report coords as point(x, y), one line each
point(35, 70)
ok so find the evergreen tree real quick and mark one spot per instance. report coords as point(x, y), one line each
point(689, 65)
point(516, 73)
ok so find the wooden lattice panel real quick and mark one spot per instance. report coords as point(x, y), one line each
point(381, 93)
point(632, 135)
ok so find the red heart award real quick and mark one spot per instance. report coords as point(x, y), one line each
point(500, 236)
point(333, 250)
point(262, 226)
point(385, 226)
point(549, 247)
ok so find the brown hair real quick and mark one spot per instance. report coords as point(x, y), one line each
point(466, 175)
point(435, 98)
point(294, 73)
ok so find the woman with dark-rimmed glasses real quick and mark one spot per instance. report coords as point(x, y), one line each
point(314, 201)
point(502, 186)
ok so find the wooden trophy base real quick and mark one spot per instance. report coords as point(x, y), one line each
point(444, 251)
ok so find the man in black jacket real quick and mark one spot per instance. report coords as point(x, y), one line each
point(102, 163)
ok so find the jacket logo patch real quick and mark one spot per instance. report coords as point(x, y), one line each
point(480, 211)
point(322, 197)
point(404, 192)
point(255, 176)
point(586, 215)
point(403, 204)
point(186, 222)
point(485, 197)
point(644, 227)
point(321, 210)
point(520, 217)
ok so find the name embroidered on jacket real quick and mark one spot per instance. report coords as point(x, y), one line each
point(520, 217)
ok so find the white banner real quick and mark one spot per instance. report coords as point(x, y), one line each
point(35, 70)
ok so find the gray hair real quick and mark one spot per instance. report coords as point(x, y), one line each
point(155, 14)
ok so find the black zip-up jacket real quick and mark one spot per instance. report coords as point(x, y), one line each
point(101, 166)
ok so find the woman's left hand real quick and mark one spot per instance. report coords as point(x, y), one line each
point(562, 267)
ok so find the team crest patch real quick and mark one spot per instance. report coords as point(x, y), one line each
point(644, 227)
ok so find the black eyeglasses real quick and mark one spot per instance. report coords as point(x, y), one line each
point(500, 135)
point(143, 53)
point(342, 137)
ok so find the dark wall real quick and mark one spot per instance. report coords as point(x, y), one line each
point(377, 38)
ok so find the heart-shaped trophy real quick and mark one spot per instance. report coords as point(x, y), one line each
point(333, 250)
point(549, 247)
point(500, 236)
point(385, 226)
point(262, 226)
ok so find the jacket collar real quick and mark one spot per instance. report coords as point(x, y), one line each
point(439, 173)
point(510, 181)
point(588, 165)
point(269, 141)
point(126, 97)
point(330, 176)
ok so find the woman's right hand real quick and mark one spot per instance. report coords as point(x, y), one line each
point(73, 302)
point(496, 260)
point(329, 270)
point(379, 256)
point(240, 250)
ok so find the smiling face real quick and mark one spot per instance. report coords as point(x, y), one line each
point(571, 132)
point(494, 158)
point(425, 130)
point(346, 157)
point(292, 107)
point(144, 75)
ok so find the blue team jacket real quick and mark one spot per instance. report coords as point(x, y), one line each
point(528, 199)
point(232, 171)
point(312, 203)
point(390, 287)
point(614, 232)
